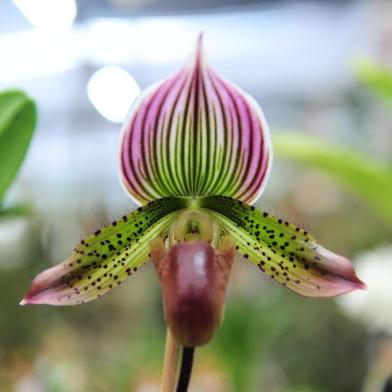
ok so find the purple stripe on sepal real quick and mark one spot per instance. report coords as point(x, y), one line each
point(195, 134)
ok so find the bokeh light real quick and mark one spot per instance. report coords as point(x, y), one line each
point(48, 14)
point(112, 90)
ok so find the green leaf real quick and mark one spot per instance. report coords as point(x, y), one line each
point(369, 177)
point(106, 258)
point(17, 123)
point(378, 78)
point(283, 251)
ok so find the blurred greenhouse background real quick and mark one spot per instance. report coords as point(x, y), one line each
point(322, 72)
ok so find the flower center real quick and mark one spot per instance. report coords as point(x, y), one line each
point(193, 225)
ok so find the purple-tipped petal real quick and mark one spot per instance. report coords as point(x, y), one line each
point(50, 287)
point(106, 258)
point(286, 253)
point(195, 134)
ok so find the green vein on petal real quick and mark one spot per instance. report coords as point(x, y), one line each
point(285, 252)
point(106, 258)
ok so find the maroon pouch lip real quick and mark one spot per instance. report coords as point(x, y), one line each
point(193, 277)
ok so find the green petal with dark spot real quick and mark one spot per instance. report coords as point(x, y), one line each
point(285, 252)
point(106, 258)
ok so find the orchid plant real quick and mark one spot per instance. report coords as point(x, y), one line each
point(195, 155)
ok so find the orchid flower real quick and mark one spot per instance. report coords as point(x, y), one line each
point(195, 155)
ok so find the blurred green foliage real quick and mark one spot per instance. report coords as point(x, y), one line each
point(369, 177)
point(17, 123)
point(378, 78)
point(288, 331)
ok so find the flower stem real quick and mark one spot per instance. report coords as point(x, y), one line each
point(170, 363)
point(186, 369)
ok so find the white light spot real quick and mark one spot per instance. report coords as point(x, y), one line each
point(112, 90)
point(48, 14)
point(199, 264)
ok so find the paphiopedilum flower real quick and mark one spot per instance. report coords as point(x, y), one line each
point(195, 154)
